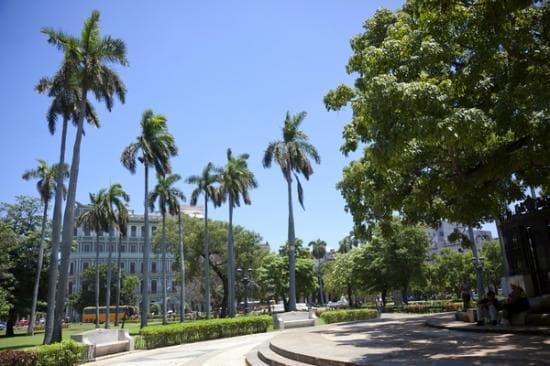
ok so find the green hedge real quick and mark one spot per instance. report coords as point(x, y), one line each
point(65, 353)
point(424, 308)
point(201, 330)
point(335, 316)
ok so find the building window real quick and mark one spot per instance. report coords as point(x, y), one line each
point(133, 249)
point(122, 266)
point(141, 268)
point(75, 231)
point(85, 266)
point(142, 231)
point(132, 267)
point(153, 286)
point(87, 248)
point(123, 248)
point(70, 288)
point(133, 230)
point(100, 233)
point(87, 231)
point(112, 247)
point(154, 267)
point(100, 248)
point(71, 268)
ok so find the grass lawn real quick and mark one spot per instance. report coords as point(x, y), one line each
point(21, 340)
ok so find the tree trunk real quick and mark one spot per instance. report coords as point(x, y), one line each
point(350, 295)
point(182, 269)
point(56, 233)
point(164, 283)
point(119, 274)
point(108, 289)
point(206, 259)
point(231, 263)
point(97, 280)
point(146, 250)
point(291, 250)
point(68, 224)
point(30, 329)
point(12, 318)
point(384, 295)
point(224, 281)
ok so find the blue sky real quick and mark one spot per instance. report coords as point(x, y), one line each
point(223, 72)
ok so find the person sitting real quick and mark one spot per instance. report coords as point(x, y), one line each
point(517, 302)
point(488, 307)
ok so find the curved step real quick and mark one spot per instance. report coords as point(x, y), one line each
point(312, 350)
point(252, 359)
point(266, 354)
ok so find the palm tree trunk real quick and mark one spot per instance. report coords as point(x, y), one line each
point(182, 270)
point(108, 289)
point(231, 262)
point(146, 250)
point(206, 259)
point(164, 292)
point(56, 233)
point(68, 224)
point(30, 329)
point(97, 280)
point(119, 274)
point(291, 250)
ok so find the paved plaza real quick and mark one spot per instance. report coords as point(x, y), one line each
point(394, 339)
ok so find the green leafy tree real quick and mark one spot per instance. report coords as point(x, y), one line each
point(292, 154)
point(493, 267)
point(96, 217)
point(89, 57)
point(168, 198)
point(205, 186)
point(115, 201)
point(445, 92)
point(46, 187)
point(86, 296)
point(156, 145)
point(235, 181)
point(449, 269)
point(64, 90)
point(319, 250)
point(340, 275)
point(20, 224)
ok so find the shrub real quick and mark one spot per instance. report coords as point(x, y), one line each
point(65, 353)
point(335, 316)
point(17, 358)
point(173, 334)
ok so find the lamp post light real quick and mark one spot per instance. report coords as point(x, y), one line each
point(245, 280)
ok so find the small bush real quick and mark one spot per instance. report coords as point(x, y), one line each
point(201, 330)
point(335, 316)
point(17, 358)
point(65, 353)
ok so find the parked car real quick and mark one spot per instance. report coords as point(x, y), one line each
point(22, 323)
point(2, 326)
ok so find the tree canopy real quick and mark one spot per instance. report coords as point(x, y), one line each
point(450, 103)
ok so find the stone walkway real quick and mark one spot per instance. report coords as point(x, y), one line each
point(397, 339)
point(394, 339)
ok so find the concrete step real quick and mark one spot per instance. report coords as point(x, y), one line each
point(263, 355)
point(313, 350)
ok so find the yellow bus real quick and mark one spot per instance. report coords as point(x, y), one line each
point(88, 313)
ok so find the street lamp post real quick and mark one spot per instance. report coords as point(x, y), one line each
point(478, 264)
point(245, 281)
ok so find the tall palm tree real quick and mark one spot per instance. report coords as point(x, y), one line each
point(46, 187)
point(89, 57)
point(319, 250)
point(156, 145)
point(122, 223)
point(64, 90)
point(205, 185)
point(115, 202)
point(235, 181)
point(292, 154)
point(96, 217)
point(168, 198)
